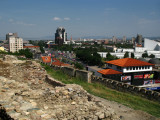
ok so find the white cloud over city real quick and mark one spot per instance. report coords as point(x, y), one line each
point(61, 19)
point(66, 18)
point(20, 22)
point(56, 19)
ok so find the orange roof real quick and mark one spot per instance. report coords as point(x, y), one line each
point(138, 45)
point(127, 62)
point(30, 46)
point(109, 72)
point(59, 63)
point(46, 59)
point(65, 64)
point(55, 59)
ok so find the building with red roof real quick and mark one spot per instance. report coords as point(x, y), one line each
point(109, 72)
point(129, 70)
point(56, 62)
point(46, 59)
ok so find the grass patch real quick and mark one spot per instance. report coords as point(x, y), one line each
point(132, 101)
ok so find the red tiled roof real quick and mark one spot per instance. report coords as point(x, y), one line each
point(109, 72)
point(46, 59)
point(30, 46)
point(59, 63)
point(55, 59)
point(126, 62)
point(65, 64)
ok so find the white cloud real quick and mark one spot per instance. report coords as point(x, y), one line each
point(145, 21)
point(56, 19)
point(11, 20)
point(20, 23)
point(23, 23)
point(66, 18)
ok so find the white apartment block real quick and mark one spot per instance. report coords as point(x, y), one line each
point(15, 44)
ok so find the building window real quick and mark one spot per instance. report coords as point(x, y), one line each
point(133, 68)
point(127, 68)
point(142, 67)
point(110, 65)
point(137, 68)
point(130, 68)
point(145, 67)
point(118, 67)
point(148, 67)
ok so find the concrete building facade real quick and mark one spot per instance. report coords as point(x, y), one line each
point(15, 44)
point(8, 35)
point(60, 36)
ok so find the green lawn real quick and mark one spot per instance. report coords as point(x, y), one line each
point(132, 101)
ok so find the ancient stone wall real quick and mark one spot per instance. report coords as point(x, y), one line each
point(69, 71)
point(84, 75)
point(151, 95)
point(87, 76)
point(53, 82)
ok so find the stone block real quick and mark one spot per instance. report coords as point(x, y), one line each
point(84, 75)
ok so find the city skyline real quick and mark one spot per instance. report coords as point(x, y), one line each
point(38, 18)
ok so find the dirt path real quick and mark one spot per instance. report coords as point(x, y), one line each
point(127, 113)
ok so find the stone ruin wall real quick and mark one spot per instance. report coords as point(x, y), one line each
point(149, 94)
point(113, 84)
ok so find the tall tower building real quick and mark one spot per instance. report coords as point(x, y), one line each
point(15, 43)
point(60, 36)
point(114, 39)
point(139, 39)
point(133, 40)
point(124, 39)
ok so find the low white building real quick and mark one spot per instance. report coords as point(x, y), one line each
point(140, 49)
point(130, 71)
point(120, 54)
point(151, 44)
point(150, 47)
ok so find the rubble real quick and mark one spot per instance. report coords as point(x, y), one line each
point(26, 95)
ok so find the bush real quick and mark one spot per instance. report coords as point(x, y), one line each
point(144, 55)
point(152, 56)
point(126, 55)
point(78, 65)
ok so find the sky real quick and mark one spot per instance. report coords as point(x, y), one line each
point(80, 18)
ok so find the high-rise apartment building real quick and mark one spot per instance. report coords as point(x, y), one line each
point(133, 40)
point(60, 36)
point(11, 34)
point(124, 39)
point(15, 43)
point(139, 39)
point(114, 39)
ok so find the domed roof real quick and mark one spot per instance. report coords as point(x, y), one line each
point(142, 59)
point(154, 61)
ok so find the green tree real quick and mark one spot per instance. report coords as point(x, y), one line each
point(152, 56)
point(144, 55)
point(41, 49)
point(110, 57)
point(126, 55)
point(132, 55)
point(78, 65)
point(26, 52)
